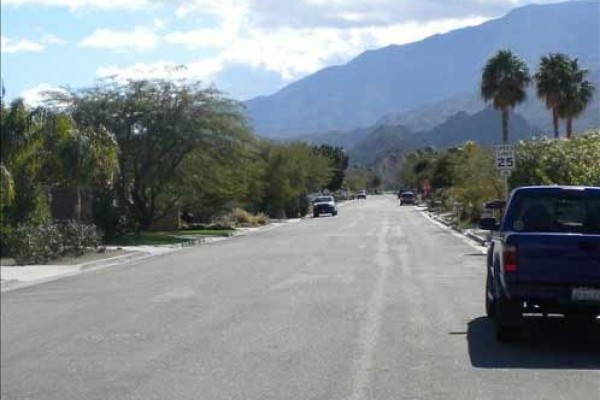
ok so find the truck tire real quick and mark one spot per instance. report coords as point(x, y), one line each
point(508, 334)
point(316, 215)
point(508, 320)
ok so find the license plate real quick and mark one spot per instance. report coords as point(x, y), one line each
point(585, 294)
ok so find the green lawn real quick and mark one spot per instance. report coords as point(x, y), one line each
point(158, 238)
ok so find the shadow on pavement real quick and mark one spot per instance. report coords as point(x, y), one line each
point(551, 344)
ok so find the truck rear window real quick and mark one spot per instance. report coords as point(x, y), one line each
point(556, 212)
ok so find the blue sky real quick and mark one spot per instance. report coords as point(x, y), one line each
point(244, 47)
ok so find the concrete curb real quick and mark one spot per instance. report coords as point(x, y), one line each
point(482, 241)
point(77, 269)
point(121, 260)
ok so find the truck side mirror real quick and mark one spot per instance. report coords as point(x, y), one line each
point(488, 224)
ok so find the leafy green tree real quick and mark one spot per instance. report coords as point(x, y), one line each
point(339, 162)
point(441, 172)
point(418, 167)
point(357, 178)
point(553, 73)
point(22, 159)
point(157, 125)
point(474, 180)
point(551, 162)
point(504, 80)
point(223, 178)
point(292, 171)
point(77, 159)
point(576, 95)
point(375, 182)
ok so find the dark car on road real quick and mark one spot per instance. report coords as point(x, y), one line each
point(407, 197)
point(324, 205)
point(361, 194)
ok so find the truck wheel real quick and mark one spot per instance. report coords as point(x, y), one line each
point(508, 334)
point(490, 303)
point(315, 215)
point(508, 320)
point(334, 213)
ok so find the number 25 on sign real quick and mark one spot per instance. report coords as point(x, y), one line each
point(505, 159)
point(503, 162)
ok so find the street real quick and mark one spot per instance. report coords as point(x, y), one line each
point(376, 303)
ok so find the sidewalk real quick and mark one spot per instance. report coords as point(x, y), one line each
point(14, 277)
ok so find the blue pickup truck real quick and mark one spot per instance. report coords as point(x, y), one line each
point(544, 257)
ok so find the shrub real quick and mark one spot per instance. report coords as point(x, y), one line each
point(261, 219)
point(5, 235)
point(544, 161)
point(37, 244)
point(243, 217)
point(78, 238)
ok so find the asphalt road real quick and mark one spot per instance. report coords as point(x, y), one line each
point(376, 303)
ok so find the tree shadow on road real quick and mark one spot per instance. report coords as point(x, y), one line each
point(545, 344)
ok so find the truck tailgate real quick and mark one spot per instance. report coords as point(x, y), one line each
point(566, 259)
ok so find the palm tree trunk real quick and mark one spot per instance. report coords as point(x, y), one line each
point(505, 125)
point(569, 127)
point(555, 122)
point(77, 179)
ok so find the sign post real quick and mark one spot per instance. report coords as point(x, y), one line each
point(505, 161)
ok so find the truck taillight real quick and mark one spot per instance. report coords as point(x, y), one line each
point(510, 258)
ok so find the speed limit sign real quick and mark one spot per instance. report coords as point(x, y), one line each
point(504, 158)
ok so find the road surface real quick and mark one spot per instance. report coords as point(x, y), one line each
point(376, 303)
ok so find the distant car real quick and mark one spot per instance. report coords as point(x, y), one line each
point(407, 198)
point(324, 205)
point(361, 194)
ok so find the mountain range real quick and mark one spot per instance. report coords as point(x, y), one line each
point(427, 92)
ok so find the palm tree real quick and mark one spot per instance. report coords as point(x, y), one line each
point(503, 82)
point(576, 95)
point(553, 72)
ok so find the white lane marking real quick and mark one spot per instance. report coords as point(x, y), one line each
point(371, 326)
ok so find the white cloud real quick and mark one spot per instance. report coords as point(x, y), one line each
point(80, 4)
point(292, 53)
point(219, 8)
point(296, 52)
point(18, 46)
point(200, 38)
point(35, 96)
point(159, 23)
point(202, 70)
point(296, 49)
point(140, 39)
point(348, 13)
point(52, 39)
